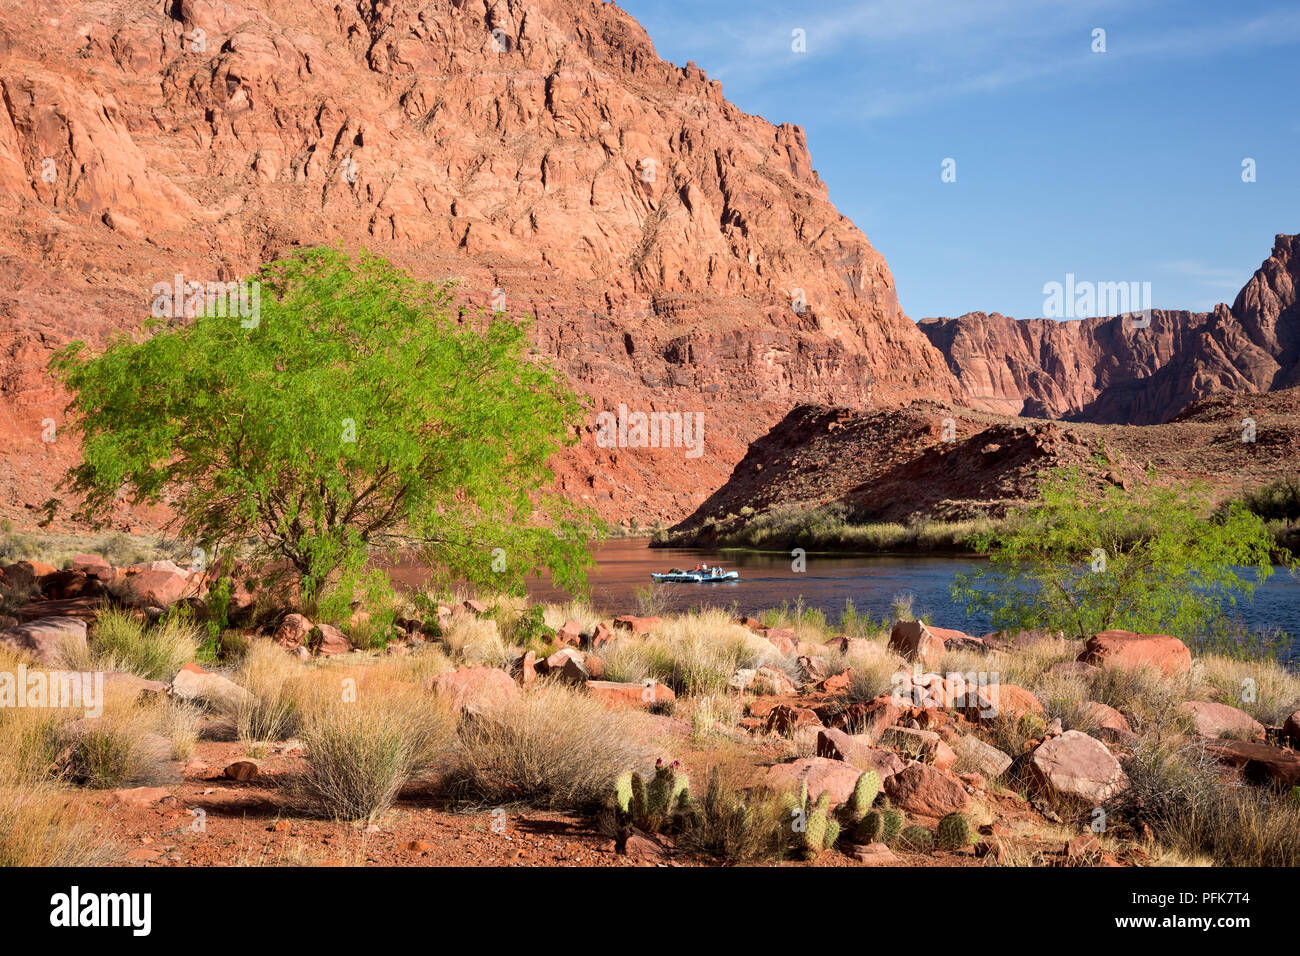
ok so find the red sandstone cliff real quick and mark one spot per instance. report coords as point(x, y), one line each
point(1107, 370)
point(657, 232)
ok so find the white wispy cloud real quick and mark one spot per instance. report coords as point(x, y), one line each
point(904, 55)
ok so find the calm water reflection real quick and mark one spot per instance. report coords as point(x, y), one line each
point(872, 583)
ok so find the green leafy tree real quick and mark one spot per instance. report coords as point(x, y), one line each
point(1085, 560)
point(361, 410)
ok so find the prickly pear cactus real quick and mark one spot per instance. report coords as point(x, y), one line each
point(892, 825)
point(864, 795)
point(652, 807)
point(916, 839)
point(871, 828)
point(814, 834)
point(639, 807)
point(623, 793)
point(832, 833)
point(953, 832)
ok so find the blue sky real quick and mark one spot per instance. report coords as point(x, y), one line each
point(1120, 166)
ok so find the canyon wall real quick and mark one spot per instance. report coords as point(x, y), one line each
point(1110, 370)
point(677, 253)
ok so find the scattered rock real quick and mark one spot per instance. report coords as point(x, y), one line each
point(784, 719)
point(138, 796)
point(1008, 700)
point(1220, 720)
point(294, 631)
point(870, 718)
point(50, 641)
point(568, 663)
point(64, 585)
point(25, 574)
point(836, 683)
point(637, 625)
point(923, 790)
point(476, 690)
point(194, 683)
point(242, 770)
point(570, 634)
point(328, 641)
point(985, 758)
point(1258, 763)
point(922, 745)
point(783, 639)
point(525, 668)
point(1077, 765)
point(873, 854)
point(643, 846)
point(1124, 649)
point(1291, 729)
point(94, 565)
point(917, 642)
point(155, 583)
point(857, 750)
point(631, 694)
point(1083, 848)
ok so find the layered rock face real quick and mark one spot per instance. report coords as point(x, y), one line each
point(1108, 370)
point(677, 253)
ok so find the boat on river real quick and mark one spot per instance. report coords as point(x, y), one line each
point(702, 575)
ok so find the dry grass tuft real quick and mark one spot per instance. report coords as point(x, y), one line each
point(121, 641)
point(270, 713)
point(360, 753)
point(555, 747)
point(695, 654)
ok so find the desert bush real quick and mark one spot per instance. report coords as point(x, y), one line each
point(40, 826)
point(477, 640)
point(1146, 696)
point(738, 826)
point(1192, 807)
point(855, 624)
point(120, 747)
point(1263, 688)
point(1083, 559)
point(14, 595)
point(179, 723)
point(371, 405)
point(529, 629)
point(555, 747)
point(873, 675)
point(423, 662)
point(652, 600)
point(270, 713)
point(360, 753)
point(1063, 696)
point(123, 640)
point(710, 711)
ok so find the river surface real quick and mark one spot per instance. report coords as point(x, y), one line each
point(871, 582)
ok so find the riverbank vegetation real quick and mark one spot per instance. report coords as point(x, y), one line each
point(1151, 559)
point(826, 528)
